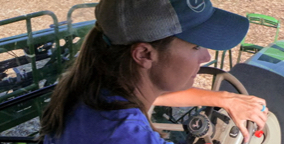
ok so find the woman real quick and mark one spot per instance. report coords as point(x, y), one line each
point(137, 51)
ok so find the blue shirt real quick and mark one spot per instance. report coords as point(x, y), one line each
point(127, 126)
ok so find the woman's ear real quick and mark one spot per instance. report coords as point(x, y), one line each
point(144, 54)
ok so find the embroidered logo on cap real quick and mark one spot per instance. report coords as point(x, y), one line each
point(196, 5)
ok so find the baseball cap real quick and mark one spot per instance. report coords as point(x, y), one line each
point(195, 21)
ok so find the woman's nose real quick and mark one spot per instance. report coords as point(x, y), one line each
point(205, 56)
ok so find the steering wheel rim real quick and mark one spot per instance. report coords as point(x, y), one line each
point(220, 76)
point(239, 86)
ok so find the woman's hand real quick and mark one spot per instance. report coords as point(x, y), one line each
point(242, 108)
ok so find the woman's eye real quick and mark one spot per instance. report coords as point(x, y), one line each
point(196, 47)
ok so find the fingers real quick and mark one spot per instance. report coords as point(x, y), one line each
point(258, 100)
point(262, 101)
point(266, 111)
point(262, 119)
point(260, 123)
point(244, 131)
point(261, 108)
point(258, 116)
point(246, 108)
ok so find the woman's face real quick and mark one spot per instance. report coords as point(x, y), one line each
point(178, 65)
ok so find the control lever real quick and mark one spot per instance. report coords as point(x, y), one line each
point(221, 116)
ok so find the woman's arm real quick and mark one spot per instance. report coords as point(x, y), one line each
point(192, 97)
point(240, 107)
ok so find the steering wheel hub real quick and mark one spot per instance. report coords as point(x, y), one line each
point(199, 126)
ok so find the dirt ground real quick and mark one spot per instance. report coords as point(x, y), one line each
point(257, 34)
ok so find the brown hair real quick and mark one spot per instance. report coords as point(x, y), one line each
point(97, 66)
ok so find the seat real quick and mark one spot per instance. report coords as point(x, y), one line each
point(263, 20)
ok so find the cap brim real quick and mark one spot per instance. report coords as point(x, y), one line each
point(223, 30)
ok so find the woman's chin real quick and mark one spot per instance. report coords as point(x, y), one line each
point(188, 86)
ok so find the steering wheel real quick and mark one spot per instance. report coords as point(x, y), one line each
point(220, 76)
